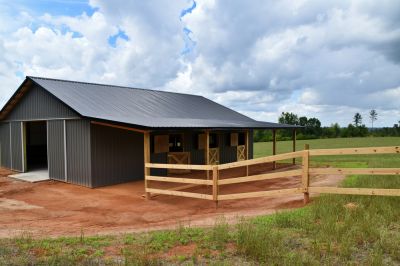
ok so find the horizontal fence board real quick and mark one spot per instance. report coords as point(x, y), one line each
point(266, 159)
point(179, 166)
point(352, 151)
point(260, 177)
point(179, 193)
point(270, 193)
point(356, 191)
point(355, 171)
point(179, 180)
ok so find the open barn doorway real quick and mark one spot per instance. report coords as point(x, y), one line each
point(36, 146)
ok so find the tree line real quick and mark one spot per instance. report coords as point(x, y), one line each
point(312, 128)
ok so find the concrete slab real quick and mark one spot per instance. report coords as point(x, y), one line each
point(33, 176)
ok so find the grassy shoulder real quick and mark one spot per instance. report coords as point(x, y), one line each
point(333, 229)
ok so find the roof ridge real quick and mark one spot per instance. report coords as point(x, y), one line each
point(110, 85)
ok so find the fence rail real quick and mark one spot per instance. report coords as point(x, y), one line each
point(304, 171)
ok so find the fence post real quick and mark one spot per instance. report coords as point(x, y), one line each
point(306, 175)
point(215, 184)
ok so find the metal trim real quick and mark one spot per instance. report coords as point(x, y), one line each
point(47, 147)
point(42, 119)
point(65, 153)
point(11, 157)
point(22, 147)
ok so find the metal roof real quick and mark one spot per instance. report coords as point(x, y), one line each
point(146, 108)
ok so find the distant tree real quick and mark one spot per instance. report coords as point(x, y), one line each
point(335, 128)
point(303, 121)
point(373, 116)
point(289, 118)
point(357, 119)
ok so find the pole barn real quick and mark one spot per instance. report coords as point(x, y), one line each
point(97, 135)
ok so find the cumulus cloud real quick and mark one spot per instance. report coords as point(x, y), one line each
point(316, 58)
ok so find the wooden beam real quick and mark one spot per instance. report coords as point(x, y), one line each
point(294, 144)
point(215, 184)
point(346, 151)
point(260, 177)
point(270, 193)
point(355, 171)
point(306, 173)
point(179, 166)
point(120, 127)
point(356, 191)
point(146, 141)
point(180, 193)
point(274, 147)
point(180, 180)
point(267, 159)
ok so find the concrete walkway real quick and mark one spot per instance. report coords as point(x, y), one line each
point(33, 176)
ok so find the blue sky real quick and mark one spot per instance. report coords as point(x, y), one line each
point(325, 59)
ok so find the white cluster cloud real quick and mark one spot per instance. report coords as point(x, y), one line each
point(316, 58)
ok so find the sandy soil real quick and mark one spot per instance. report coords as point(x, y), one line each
point(54, 208)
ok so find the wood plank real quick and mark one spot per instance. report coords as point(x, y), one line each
point(266, 159)
point(274, 147)
point(260, 177)
point(355, 171)
point(179, 180)
point(270, 193)
point(355, 191)
point(305, 179)
point(161, 143)
point(234, 139)
point(117, 126)
point(179, 166)
point(294, 145)
point(215, 183)
point(345, 151)
point(179, 193)
point(146, 147)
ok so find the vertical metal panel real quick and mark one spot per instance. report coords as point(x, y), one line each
point(159, 158)
point(228, 153)
point(37, 103)
point(55, 149)
point(16, 146)
point(251, 144)
point(23, 146)
point(78, 152)
point(117, 155)
point(5, 153)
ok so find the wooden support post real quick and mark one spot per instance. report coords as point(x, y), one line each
point(274, 147)
point(207, 151)
point(247, 151)
point(294, 144)
point(215, 185)
point(306, 174)
point(146, 141)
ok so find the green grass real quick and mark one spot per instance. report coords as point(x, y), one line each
point(332, 230)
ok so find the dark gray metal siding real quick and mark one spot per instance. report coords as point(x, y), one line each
point(37, 103)
point(78, 152)
point(117, 155)
point(16, 146)
point(5, 158)
point(55, 149)
point(251, 144)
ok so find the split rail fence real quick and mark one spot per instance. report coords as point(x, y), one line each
point(304, 171)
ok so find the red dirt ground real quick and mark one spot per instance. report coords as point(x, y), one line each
point(54, 208)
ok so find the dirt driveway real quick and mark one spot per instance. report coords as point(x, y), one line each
point(54, 208)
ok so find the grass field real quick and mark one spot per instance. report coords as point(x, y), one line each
point(332, 230)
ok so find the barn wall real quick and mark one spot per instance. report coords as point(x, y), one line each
point(117, 155)
point(38, 104)
point(78, 152)
point(55, 149)
point(16, 146)
point(251, 144)
point(5, 158)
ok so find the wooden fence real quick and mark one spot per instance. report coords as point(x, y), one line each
point(304, 171)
